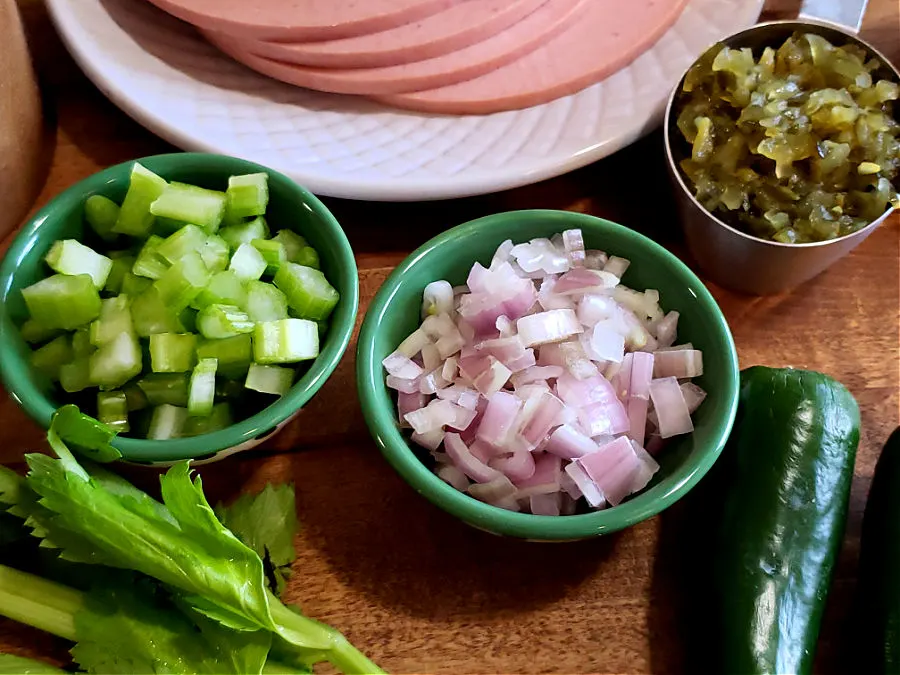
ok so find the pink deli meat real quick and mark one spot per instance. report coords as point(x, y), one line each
point(448, 31)
point(609, 35)
point(478, 59)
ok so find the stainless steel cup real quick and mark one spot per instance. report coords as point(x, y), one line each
point(741, 261)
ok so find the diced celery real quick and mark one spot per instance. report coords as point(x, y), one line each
point(149, 262)
point(246, 196)
point(308, 292)
point(275, 380)
point(101, 213)
point(272, 252)
point(166, 226)
point(234, 354)
point(188, 319)
point(165, 388)
point(308, 257)
point(202, 389)
point(218, 419)
point(244, 233)
point(227, 389)
point(135, 396)
point(189, 239)
point(215, 253)
point(133, 285)
point(183, 281)
point(112, 410)
point(172, 352)
point(265, 302)
point(247, 263)
point(135, 218)
point(191, 204)
point(224, 288)
point(53, 356)
point(63, 301)
point(216, 322)
point(151, 315)
point(81, 341)
point(114, 319)
point(285, 341)
point(116, 362)
point(293, 243)
point(34, 331)
point(68, 256)
point(167, 422)
point(76, 376)
point(323, 328)
point(121, 267)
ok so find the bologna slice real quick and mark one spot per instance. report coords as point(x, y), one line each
point(536, 29)
point(301, 19)
point(456, 27)
point(609, 36)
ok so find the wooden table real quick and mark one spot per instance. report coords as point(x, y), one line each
point(418, 590)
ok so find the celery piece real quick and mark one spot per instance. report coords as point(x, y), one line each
point(202, 388)
point(191, 204)
point(265, 302)
point(275, 380)
point(52, 356)
point(149, 262)
point(121, 267)
point(76, 375)
point(272, 252)
point(308, 292)
point(135, 396)
point(133, 285)
point(244, 233)
point(68, 256)
point(216, 322)
point(167, 422)
point(183, 281)
point(34, 331)
point(63, 301)
point(218, 419)
point(101, 213)
point(81, 341)
point(145, 187)
point(112, 410)
point(172, 352)
point(246, 196)
point(308, 257)
point(188, 319)
point(234, 354)
point(116, 361)
point(114, 319)
point(215, 253)
point(323, 328)
point(285, 341)
point(166, 226)
point(247, 263)
point(151, 315)
point(189, 239)
point(165, 388)
point(293, 243)
point(224, 288)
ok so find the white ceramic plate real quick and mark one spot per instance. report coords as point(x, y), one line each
point(159, 71)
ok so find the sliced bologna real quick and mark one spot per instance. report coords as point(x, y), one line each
point(518, 40)
point(606, 38)
point(453, 29)
point(301, 19)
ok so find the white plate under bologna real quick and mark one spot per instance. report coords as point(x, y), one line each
point(165, 76)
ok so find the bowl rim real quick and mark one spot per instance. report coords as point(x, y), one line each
point(381, 420)
point(13, 370)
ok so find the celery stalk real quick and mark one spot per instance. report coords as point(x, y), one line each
point(76, 375)
point(172, 352)
point(34, 331)
point(135, 218)
point(151, 315)
point(135, 397)
point(246, 196)
point(53, 356)
point(224, 288)
point(112, 410)
point(164, 388)
point(247, 262)
point(308, 257)
point(215, 253)
point(133, 285)
point(149, 262)
point(183, 281)
point(68, 256)
point(101, 213)
point(220, 418)
point(114, 319)
point(191, 204)
point(81, 342)
point(167, 422)
point(275, 380)
point(188, 239)
point(233, 354)
point(202, 388)
point(265, 302)
point(63, 301)
point(223, 321)
point(272, 252)
point(293, 243)
point(308, 292)
point(116, 362)
point(244, 233)
point(120, 268)
point(285, 341)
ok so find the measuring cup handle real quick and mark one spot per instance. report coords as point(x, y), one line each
point(847, 15)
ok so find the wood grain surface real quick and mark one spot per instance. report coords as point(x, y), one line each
point(416, 589)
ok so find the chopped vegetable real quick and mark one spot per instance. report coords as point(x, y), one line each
point(308, 292)
point(247, 262)
point(275, 380)
point(246, 196)
point(172, 352)
point(191, 204)
point(112, 410)
point(202, 388)
point(68, 256)
point(101, 213)
point(285, 341)
point(53, 356)
point(63, 301)
point(135, 218)
point(245, 233)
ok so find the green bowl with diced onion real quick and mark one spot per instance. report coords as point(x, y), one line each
point(290, 207)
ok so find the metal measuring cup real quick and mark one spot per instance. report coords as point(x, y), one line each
point(726, 255)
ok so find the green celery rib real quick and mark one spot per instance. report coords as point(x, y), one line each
point(308, 292)
point(188, 239)
point(215, 253)
point(202, 388)
point(246, 196)
point(76, 375)
point(68, 256)
point(191, 204)
point(135, 218)
point(244, 233)
point(101, 213)
point(234, 354)
point(272, 252)
point(62, 301)
point(224, 288)
point(183, 281)
point(275, 380)
point(285, 341)
point(34, 331)
point(293, 243)
point(265, 302)
point(172, 352)
point(167, 421)
point(216, 322)
point(120, 268)
point(50, 358)
point(149, 263)
point(112, 410)
point(40, 603)
point(247, 262)
point(165, 388)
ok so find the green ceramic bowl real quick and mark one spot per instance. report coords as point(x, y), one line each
point(394, 314)
point(289, 206)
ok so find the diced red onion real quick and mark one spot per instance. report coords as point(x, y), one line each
point(493, 379)
point(536, 374)
point(612, 469)
point(693, 396)
point(435, 415)
point(462, 418)
point(667, 329)
point(604, 418)
point(501, 255)
point(401, 385)
point(573, 242)
point(576, 360)
point(545, 505)
point(431, 358)
point(539, 254)
point(569, 443)
point(529, 391)
point(431, 382)
point(670, 407)
point(449, 369)
point(431, 440)
point(543, 419)
point(517, 466)
point(482, 452)
point(595, 260)
point(554, 325)
point(579, 393)
point(409, 401)
point(648, 468)
point(581, 281)
point(505, 350)
point(639, 394)
point(544, 480)
point(466, 462)
point(401, 366)
point(452, 476)
point(567, 505)
point(505, 327)
point(569, 486)
point(681, 363)
point(495, 490)
point(616, 266)
point(621, 381)
point(606, 343)
point(468, 435)
point(498, 418)
point(548, 299)
point(589, 490)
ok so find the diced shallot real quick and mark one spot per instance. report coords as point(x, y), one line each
point(495, 490)
point(452, 476)
point(594, 260)
point(437, 298)
point(518, 466)
point(449, 369)
point(407, 402)
point(554, 325)
point(466, 462)
point(535, 374)
point(612, 468)
point(616, 266)
point(497, 422)
point(588, 489)
point(693, 396)
point(545, 505)
point(403, 386)
point(544, 480)
point(431, 440)
point(569, 443)
point(413, 344)
point(401, 366)
point(680, 364)
point(639, 394)
point(573, 242)
point(673, 417)
point(666, 329)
